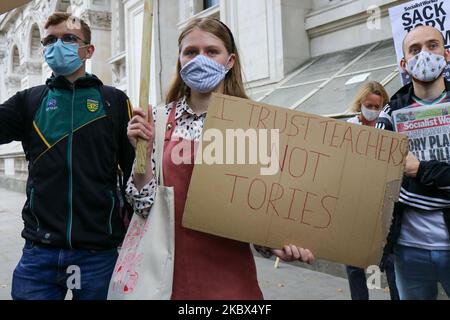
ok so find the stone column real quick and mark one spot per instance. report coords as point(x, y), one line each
point(164, 46)
point(97, 13)
point(296, 43)
point(271, 36)
point(117, 60)
point(3, 69)
point(33, 74)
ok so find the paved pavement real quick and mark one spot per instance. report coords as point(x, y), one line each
point(287, 282)
point(10, 241)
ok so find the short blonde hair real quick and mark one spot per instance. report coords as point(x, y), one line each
point(368, 88)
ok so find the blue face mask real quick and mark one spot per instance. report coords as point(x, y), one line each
point(63, 59)
point(203, 74)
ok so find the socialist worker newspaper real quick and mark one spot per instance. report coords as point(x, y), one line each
point(428, 129)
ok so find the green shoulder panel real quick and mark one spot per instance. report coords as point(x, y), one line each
point(53, 119)
point(88, 107)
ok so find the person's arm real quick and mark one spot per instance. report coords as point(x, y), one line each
point(384, 121)
point(293, 253)
point(266, 252)
point(287, 253)
point(430, 173)
point(12, 119)
point(141, 188)
point(126, 151)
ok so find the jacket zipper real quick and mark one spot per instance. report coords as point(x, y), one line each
point(113, 203)
point(69, 166)
point(32, 209)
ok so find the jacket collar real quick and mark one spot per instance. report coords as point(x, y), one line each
point(60, 82)
point(403, 97)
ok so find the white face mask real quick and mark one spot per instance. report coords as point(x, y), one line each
point(426, 66)
point(369, 115)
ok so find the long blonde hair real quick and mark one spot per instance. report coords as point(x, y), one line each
point(368, 88)
point(233, 83)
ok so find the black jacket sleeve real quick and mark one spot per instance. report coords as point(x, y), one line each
point(126, 150)
point(435, 173)
point(384, 121)
point(12, 119)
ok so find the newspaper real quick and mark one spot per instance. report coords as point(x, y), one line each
point(428, 130)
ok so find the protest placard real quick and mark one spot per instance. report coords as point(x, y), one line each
point(409, 15)
point(329, 185)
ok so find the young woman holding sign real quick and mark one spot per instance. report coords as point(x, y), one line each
point(206, 266)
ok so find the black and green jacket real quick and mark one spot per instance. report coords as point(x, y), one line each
point(74, 139)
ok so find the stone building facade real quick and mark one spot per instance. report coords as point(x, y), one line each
point(309, 55)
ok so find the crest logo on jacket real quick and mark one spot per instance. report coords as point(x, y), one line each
point(92, 105)
point(51, 105)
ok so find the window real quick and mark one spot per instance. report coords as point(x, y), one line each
point(336, 96)
point(394, 85)
point(35, 43)
point(209, 3)
point(327, 65)
point(326, 85)
point(15, 59)
point(288, 96)
point(63, 5)
point(198, 9)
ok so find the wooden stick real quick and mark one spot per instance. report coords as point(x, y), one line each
point(146, 55)
point(277, 263)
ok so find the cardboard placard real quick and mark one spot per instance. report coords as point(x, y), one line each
point(9, 5)
point(333, 192)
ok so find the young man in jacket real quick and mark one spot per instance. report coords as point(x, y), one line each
point(73, 131)
point(419, 235)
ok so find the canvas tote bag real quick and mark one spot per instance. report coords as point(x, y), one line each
point(144, 269)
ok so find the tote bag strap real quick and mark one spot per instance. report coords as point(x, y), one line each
point(161, 122)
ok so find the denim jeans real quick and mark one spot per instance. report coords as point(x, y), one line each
point(358, 282)
point(45, 273)
point(418, 272)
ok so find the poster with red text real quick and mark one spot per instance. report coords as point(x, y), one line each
point(272, 176)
